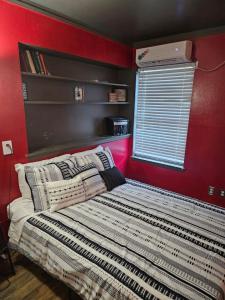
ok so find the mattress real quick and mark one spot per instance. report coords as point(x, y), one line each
point(135, 242)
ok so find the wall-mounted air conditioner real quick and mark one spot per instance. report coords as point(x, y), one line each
point(172, 53)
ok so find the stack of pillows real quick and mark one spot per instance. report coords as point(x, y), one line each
point(68, 179)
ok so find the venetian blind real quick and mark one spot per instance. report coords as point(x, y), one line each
point(163, 100)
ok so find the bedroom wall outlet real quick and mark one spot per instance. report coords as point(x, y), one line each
point(7, 147)
point(222, 193)
point(211, 190)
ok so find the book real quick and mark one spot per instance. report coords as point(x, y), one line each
point(43, 63)
point(24, 62)
point(27, 65)
point(36, 64)
point(41, 70)
point(30, 60)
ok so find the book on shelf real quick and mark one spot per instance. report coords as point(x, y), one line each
point(24, 62)
point(33, 62)
point(43, 63)
point(30, 60)
point(36, 63)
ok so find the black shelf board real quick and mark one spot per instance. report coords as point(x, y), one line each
point(53, 77)
point(58, 149)
point(110, 103)
point(47, 102)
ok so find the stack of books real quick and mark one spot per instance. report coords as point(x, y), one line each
point(33, 62)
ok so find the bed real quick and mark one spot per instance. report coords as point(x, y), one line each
point(134, 242)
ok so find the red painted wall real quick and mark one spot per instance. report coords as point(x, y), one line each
point(205, 154)
point(18, 24)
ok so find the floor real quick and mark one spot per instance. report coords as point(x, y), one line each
point(31, 283)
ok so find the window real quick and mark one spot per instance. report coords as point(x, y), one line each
point(163, 100)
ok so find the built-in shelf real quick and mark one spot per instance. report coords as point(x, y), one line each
point(52, 97)
point(97, 82)
point(74, 103)
point(57, 149)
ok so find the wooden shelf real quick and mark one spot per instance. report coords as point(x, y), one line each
point(57, 149)
point(96, 82)
point(62, 118)
point(73, 103)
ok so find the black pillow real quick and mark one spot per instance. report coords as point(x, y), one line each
point(113, 178)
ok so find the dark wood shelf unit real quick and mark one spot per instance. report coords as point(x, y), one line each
point(52, 115)
point(47, 102)
point(58, 149)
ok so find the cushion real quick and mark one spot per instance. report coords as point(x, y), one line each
point(24, 187)
point(103, 160)
point(64, 193)
point(92, 151)
point(92, 181)
point(112, 178)
point(37, 177)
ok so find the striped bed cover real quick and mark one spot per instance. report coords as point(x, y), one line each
point(135, 242)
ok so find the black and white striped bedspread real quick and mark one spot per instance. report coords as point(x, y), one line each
point(136, 242)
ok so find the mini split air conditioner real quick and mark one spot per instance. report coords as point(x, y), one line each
point(172, 53)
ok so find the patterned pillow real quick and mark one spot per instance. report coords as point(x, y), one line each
point(92, 181)
point(64, 193)
point(87, 152)
point(37, 177)
point(103, 160)
point(20, 169)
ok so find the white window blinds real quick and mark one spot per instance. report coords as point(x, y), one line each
point(163, 100)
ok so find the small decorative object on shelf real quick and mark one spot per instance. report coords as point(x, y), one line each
point(117, 125)
point(4, 252)
point(112, 97)
point(120, 94)
point(24, 88)
point(79, 94)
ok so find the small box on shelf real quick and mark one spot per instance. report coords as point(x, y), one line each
point(118, 95)
point(112, 97)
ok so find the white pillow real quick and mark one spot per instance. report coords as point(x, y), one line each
point(83, 153)
point(24, 187)
point(92, 180)
point(37, 177)
point(65, 193)
point(103, 159)
point(107, 149)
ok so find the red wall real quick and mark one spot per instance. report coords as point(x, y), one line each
point(205, 154)
point(18, 24)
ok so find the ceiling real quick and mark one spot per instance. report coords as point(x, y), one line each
point(132, 21)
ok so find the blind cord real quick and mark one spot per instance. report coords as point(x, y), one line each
point(213, 69)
